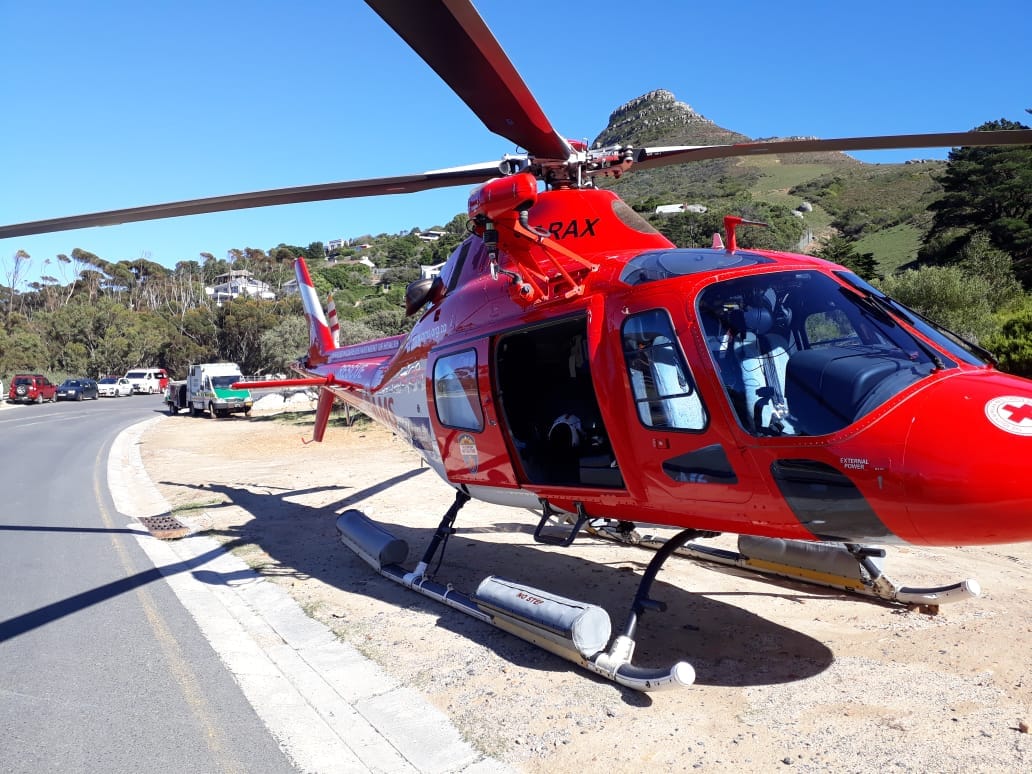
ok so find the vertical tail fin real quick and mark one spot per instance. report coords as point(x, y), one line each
point(322, 413)
point(318, 330)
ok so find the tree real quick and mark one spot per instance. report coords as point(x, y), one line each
point(102, 337)
point(842, 251)
point(947, 295)
point(283, 344)
point(438, 251)
point(1012, 344)
point(316, 251)
point(352, 275)
point(145, 338)
point(14, 277)
point(187, 269)
point(242, 322)
point(212, 268)
point(376, 304)
point(21, 348)
point(286, 254)
point(978, 258)
point(989, 190)
point(402, 251)
point(356, 332)
point(390, 322)
point(194, 340)
point(693, 229)
point(689, 229)
point(400, 276)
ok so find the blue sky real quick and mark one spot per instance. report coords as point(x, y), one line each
point(118, 104)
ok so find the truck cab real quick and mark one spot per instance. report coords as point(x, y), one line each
point(209, 387)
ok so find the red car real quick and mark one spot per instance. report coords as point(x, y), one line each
point(31, 388)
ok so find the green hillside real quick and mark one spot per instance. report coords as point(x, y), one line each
point(885, 207)
point(894, 248)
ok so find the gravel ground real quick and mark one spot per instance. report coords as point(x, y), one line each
point(788, 677)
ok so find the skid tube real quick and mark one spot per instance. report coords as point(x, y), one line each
point(576, 631)
point(850, 567)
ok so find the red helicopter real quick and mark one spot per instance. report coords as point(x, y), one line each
point(572, 361)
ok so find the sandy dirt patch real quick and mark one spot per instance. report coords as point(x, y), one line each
point(788, 677)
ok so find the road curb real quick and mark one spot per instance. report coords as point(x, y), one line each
point(330, 708)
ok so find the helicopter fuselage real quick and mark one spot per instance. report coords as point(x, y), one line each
point(587, 363)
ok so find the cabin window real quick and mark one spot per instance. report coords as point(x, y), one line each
point(665, 395)
point(456, 393)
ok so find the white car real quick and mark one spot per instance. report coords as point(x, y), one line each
point(148, 381)
point(114, 387)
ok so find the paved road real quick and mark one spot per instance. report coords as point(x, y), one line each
point(101, 667)
point(123, 653)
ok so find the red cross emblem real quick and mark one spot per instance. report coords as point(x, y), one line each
point(1011, 414)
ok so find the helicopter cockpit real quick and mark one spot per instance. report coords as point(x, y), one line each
point(800, 354)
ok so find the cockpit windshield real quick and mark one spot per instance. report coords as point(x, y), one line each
point(951, 342)
point(800, 354)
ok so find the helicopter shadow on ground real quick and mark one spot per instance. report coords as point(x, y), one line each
point(727, 646)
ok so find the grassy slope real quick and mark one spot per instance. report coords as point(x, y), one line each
point(893, 247)
point(887, 194)
point(889, 202)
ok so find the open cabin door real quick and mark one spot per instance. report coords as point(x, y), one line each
point(549, 407)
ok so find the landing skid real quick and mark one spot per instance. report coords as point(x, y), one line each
point(576, 631)
point(846, 566)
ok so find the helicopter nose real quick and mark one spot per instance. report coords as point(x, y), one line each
point(967, 461)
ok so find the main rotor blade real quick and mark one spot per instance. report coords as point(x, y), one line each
point(658, 157)
point(453, 39)
point(473, 174)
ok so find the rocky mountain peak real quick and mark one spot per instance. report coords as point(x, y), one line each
point(658, 117)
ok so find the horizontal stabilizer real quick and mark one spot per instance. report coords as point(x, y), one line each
point(275, 384)
point(278, 384)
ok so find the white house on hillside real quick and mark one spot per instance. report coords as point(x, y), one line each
point(674, 209)
point(238, 283)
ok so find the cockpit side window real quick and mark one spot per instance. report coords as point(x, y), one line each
point(665, 395)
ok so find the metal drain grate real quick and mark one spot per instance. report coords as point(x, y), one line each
point(165, 527)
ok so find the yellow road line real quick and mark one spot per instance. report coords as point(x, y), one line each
point(178, 665)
